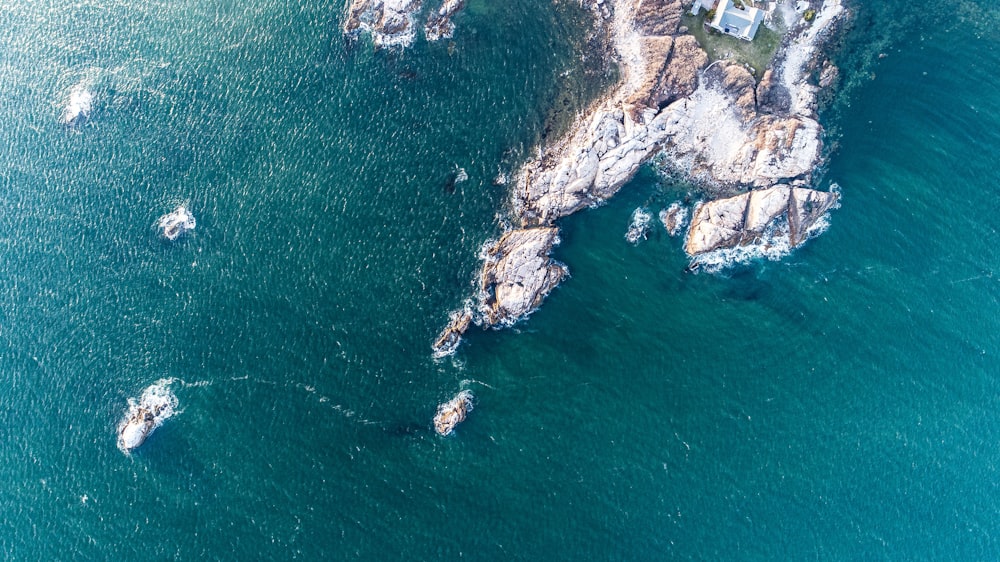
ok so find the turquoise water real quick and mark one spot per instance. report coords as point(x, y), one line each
point(840, 404)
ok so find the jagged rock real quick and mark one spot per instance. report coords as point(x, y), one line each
point(638, 227)
point(655, 52)
point(447, 342)
point(805, 208)
point(739, 83)
point(439, 24)
point(829, 75)
point(716, 224)
point(598, 161)
point(390, 22)
point(772, 96)
point(518, 273)
point(680, 77)
point(452, 413)
point(733, 221)
point(658, 17)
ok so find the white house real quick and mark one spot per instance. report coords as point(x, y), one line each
point(731, 20)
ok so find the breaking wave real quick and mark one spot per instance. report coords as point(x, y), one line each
point(674, 218)
point(639, 227)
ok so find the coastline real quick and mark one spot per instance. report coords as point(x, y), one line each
point(715, 124)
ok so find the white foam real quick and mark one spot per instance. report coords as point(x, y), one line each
point(639, 227)
point(79, 105)
point(157, 399)
point(177, 222)
point(680, 217)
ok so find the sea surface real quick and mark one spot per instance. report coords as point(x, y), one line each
point(840, 404)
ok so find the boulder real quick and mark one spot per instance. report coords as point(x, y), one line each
point(680, 76)
point(453, 412)
point(518, 273)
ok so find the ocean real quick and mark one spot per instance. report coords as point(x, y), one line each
point(838, 404)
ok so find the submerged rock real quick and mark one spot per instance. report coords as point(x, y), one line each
point(452, 413)
point(447, 342)
point(518, 273)
point(155, 406)
point(674, 218)
point(173, 224)
point(439, 24)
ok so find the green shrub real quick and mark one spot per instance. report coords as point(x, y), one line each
point(810, 15)
point(710, 15)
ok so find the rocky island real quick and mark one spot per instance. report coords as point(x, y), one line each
point(451, 413)
point(714, 122)
point(144, 415)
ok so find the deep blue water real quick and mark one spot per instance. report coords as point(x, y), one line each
point(839, 404)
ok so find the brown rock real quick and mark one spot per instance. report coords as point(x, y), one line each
point(680, 76)
point(655, 54)
point(452, 413)
point(726, 223)
point(447, 342)
point(740, 84)
point(658, 17)
point(805, 208)
point(772, 97)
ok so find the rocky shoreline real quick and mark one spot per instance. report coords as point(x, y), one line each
point(714, 122)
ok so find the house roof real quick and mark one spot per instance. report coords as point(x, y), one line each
point(736, 22)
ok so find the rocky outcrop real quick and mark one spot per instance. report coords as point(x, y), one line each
point(390, 22)
point(711, 121)
point(715, 122)
point(439, 24)
point(744, 219)
point(447, 342)
point(453, 412)
point(679, 78)
point(144, 415)
point(518, 273)
point(638, 228)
